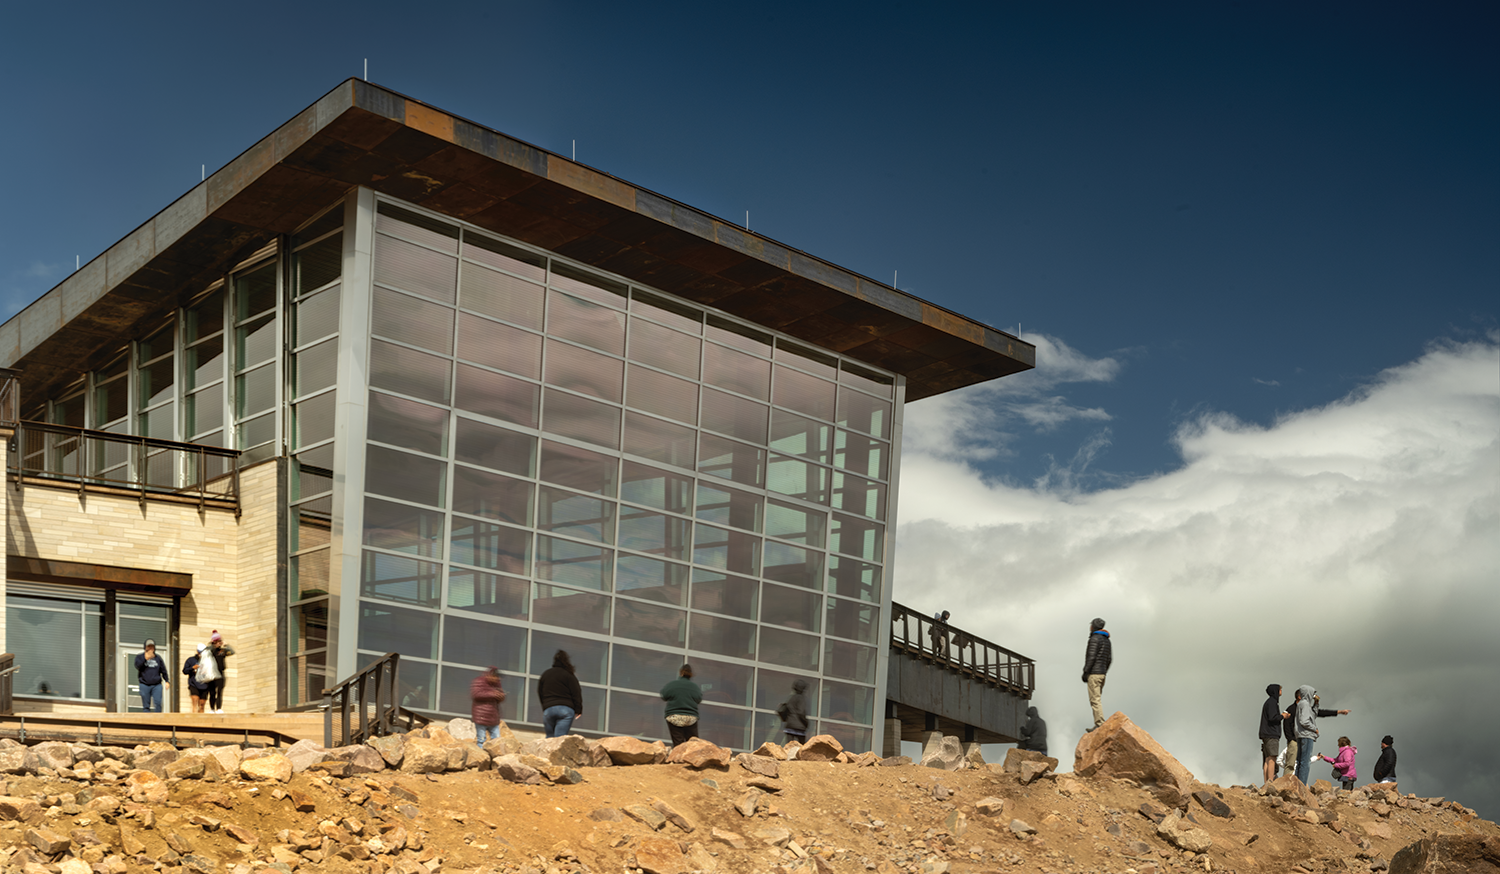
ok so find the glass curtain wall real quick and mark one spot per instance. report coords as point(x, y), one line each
point(558, 460)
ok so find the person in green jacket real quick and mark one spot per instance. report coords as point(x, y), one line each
point(683, 697)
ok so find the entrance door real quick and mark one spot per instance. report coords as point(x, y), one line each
point(137, 624)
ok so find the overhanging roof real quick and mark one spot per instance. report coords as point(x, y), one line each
point(364, 135)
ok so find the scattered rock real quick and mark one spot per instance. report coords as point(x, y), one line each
point(1172, 829)
point(188, 768)
point(273, 767)
point(774, 836)
point(391, 747)
point(1031, 771)
point(947, 754)
point(734, 840)
point(659, 856)
point(1014, 758)
point(748, 803)
point(1321, 787)
point(647, 816)
point(47, 841)
point(698, 754)
point(820, 748)
point(763, 765)
point(991, 806)
point(1120, 748)
point(672, 816)
point(771, 750)
point(463, 730)
point(569, 751)
point(633, 751)
point(1213, 804)
point(425, 755)
point(20, 810)
point(1021, 829)
point(606, 814)
point(510, 767)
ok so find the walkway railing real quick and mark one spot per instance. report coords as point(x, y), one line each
point(7, 684)
point(924, 637)
point(36, 727)
point(367, 705)
point(10, 397)
point(144, 466)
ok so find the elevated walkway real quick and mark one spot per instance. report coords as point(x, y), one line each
point(942, 680)
point(180, 729)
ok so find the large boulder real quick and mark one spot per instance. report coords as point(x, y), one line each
point(510, 767)
point(634, 751)
point(570, 751)
point(463, 730)
point(1449, 854)
point(155, 758)
point(1014, 758)
point(361, 758)
point(1289, 788)
point(1119, 748)
point(820, 748)
point(947, 754)
point(598, 756)
point(392, 748)
point(274, 767)
point(698, 753)
point(209, 758)
point(14, 760)
point(304, 754)
point(1183, 836)
point(54, 754)
point(426, 756)
point(20, 810)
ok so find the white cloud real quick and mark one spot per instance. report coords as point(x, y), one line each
point(1353, 546)
point(976, 423)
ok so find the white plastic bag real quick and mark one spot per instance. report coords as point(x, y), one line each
point(208, 669)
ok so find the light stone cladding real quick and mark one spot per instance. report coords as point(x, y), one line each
point(232, 562)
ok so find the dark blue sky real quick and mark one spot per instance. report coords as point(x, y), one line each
point(1254, 208)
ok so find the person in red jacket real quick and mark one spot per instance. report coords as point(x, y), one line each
point(487, 697)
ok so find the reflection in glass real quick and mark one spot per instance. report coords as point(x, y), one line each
point(721, 636)
point(403, 528)
point(412, 320)
point(491, 594)
point(773, 687)
point(789, 648)
point(255, 290)
point(654, 487)
point(860, 454)
point(793, 564)
point(848, 703)
point(878, 384)
point(401, 579)
point(588, 285)
point(590, 657)
point(402, 265)
point(644, 669)
point(791, 608)
point(590, 324)
point(582, 516)
point(664, 348)
point(318, 264)
point(204, 318)
point(664, 395)
point(722, 505)
point(853, 579)
point(854, 620)
point(584, 371)
point(666, 442)
point(792, 522)
point(738, 335)
point(808, 359)
point(656, 533)
point(797, 478)
point(733, 551)
point(254, 391)
point(481, 493)
point(404, 476)
point(453, 690)
point(570, 608)
point(410, 372)
point(651, 622)
point(407, 424)
point(637, 715)
point(502, 297)
point(857, 537)
point(740, 462)
point(735, 416)
point(666, 311)
point(154, 382)
point(317, 316)
point(490, 546)
point(502, 256)
point(482, 644)
point(392, 629)
point(580, 418)
point(205, 362)
point(573, 563)
point(315, 367)
point(499, 346)
point(864, 413)
point(721, 593)
point(652, 580)
point(496, 395)
point(858, 495)
point(736, 371)
point(495, 448)
point(803, 393)
point(579, 469)
point(424, 229)
point(309, 574)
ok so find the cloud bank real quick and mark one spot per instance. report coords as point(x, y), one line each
point(1354, 547)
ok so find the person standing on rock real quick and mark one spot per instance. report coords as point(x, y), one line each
point(683, 697)
point(560, 694)
point(1385, 766)
point(793, 713)
point(1307, 728)
point(151, 675)
point(220, 652)
point(1096, 659)
point(486, 696)
point(1271, 718)
point(1289, 728)
point(1034, 733)
point(1343, 764)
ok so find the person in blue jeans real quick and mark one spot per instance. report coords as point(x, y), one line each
point(151, 675)
point(1307, 715)
point(487, 696)
point(560, 694)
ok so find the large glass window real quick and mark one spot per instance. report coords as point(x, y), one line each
point(58, 647)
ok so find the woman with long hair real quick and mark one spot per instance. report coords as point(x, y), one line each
point(560, 694)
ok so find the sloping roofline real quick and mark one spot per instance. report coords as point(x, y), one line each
point(360, 134)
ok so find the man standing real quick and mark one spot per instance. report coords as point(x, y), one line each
point(1385, 766)
point(1096, 659)
point(1271, 716)
point(1289, 728)
point(1307, 728)
point(151, 674)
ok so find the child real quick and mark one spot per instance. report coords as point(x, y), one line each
point(1343, 765)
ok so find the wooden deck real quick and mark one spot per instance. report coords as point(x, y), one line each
point(185, 729)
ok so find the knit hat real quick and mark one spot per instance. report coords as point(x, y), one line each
point(1387, 740)
point(215, 636)
point(1097, 625)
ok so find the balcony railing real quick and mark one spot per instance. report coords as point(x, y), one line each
point(10, 397)
point(145, 467)
point(943, 643)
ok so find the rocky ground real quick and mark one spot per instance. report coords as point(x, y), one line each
point(432, 802)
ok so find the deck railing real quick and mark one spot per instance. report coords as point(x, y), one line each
point(7, 684)
point(86, 459)
point(367, 705)
point(944, 643)
point(10, 397)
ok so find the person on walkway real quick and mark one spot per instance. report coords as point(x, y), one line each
point(940, 633)
point(560, 694)
point(197, 690)
point(1271, 718)
point(1343, 764)
point(1034, 733)
point(1385, 766)
point(1307, 728)
point(1096, 659)
point(793, 713)
point(151, 675)
point(486, 696)
point(220, 651)
point(683, 697)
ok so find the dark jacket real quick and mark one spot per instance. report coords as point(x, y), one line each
point(557, 686)
point(1289, 725)
point(485, 706)
point(220, 653)
point(1098, 655)
point(190, 667)
point(1034, 733)
point(1270, 713)
point(150, 671)
point(1385, 766)
point(682, 696)
point(793, 711)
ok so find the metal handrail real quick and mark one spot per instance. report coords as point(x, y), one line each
point(139, 732)
point(10, 397)
point(146, 466)
point(924, 637)
point(7, 684)
point(374, 686)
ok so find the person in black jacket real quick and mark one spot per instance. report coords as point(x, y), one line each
point(1271, 718)
point(151, 675)
point(196, 689)
point(1385, 766)
point(1289, 729)
point(793, 713)
point(560, 694)
point(1034, 733)
point(1096, 660)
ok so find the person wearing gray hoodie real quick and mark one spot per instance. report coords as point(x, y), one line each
point(793, 713)
point(1307, 728)
point(1034, 733)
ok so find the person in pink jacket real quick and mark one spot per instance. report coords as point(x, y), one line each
point(1343, 763)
